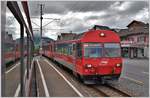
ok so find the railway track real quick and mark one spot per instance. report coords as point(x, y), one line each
point(110, 91)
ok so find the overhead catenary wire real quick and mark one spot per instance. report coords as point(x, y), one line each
point(50, 22)
point(53, 19)
point(35, 23)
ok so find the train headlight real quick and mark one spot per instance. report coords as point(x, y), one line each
point(118, 65)
point(102, 34)
point(88, 65)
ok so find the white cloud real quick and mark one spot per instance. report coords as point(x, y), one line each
point(142, 15)
point(12, 25)
point(121, 6)
point(69, 22)
point(81, 16)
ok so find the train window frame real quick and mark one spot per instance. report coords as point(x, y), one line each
point(18, 15)
point(81, 50)
point(12, 43)
point(65, 49)
point(73, 50)
point(70, 49)
point(112, 43)
point(102, 46)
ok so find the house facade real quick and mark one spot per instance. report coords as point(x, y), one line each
point(135, 40)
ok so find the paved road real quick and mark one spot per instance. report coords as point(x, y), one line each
point(135, 76)
point(136, 69)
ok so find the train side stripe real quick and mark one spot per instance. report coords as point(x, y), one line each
point(71, 85)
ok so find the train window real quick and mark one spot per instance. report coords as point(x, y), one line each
point(112, 50)
point(92, 50)
point(58, 48)
point(11, 42)
point(17, 47)
point(70, 48)
point(65, 49)
point(79, 50)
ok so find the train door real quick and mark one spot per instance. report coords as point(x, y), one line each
point(53, 50)
point(78, 58)
point(74, 55)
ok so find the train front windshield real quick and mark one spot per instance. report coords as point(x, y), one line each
point(92, 50)
point(102, 50)
point(112, 50)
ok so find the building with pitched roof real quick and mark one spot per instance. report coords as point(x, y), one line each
point(66, 36)
point(135, 40)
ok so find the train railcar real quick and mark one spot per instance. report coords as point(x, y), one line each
point(17, 52)
point(48, 49)
point(92, 56)
point(9, 53)
point(12, 52)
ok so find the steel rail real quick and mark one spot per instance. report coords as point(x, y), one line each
point(101, 92)
point(119, 92)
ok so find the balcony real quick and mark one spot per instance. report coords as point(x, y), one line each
point(127, 43)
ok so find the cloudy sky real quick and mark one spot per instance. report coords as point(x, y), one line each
point(79, 16)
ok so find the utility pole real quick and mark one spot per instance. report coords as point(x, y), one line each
point(41, 18)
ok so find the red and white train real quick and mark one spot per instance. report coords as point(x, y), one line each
point(92, 56)
point(12, 52)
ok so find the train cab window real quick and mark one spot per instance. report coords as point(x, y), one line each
point(112, 50)
point(92, 50)
point(79, 50)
